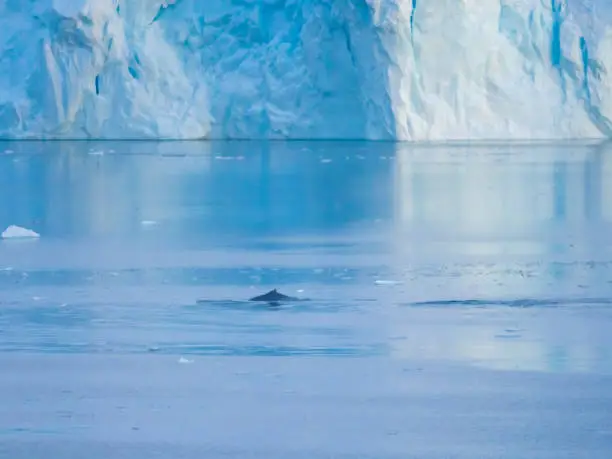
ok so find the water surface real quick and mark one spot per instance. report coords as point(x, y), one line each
point(461, 300)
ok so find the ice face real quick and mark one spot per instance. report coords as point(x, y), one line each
point(505, 69)
point(93, 68)
point(343, 69)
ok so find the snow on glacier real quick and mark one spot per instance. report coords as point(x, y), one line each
point(359, 69)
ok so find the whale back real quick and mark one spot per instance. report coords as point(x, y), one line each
point(273, 296)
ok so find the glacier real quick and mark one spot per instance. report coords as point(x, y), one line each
point(417, 70)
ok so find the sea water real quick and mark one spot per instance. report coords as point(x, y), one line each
point(460, 300)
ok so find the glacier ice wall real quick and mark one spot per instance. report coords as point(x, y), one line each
point(92, 68)
point(358, 69)
point(502, 69)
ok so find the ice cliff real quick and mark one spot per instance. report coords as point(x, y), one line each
point(359, 69)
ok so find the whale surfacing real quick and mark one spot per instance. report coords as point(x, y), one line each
point(273, 296)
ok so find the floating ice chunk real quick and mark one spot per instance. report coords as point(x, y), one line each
point(148, 222)
point(229, 158)
point(184, 360)
point(17, 232)
point(388, 282)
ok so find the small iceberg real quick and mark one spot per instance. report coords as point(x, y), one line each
point(388, 282)
point(17, 232)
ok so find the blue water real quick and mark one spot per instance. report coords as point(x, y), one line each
point(460, 300)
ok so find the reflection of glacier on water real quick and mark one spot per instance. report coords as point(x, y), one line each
point(509, 227)
point(501, 190)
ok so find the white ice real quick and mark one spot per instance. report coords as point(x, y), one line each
point(17, 232)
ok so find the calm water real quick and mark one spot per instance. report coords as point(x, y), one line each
point(461, 300)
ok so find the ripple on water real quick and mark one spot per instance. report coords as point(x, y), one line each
point(514, 303)
point(269, 351)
